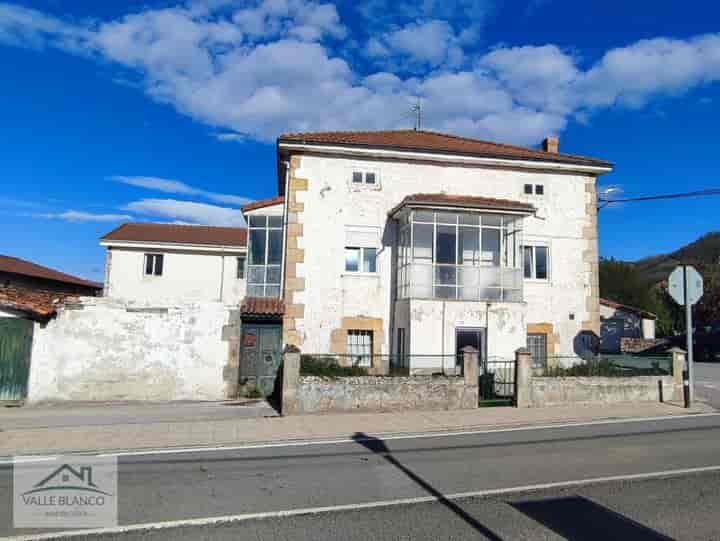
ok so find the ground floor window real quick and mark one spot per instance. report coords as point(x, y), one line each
point(537, 344)
point(360, 346)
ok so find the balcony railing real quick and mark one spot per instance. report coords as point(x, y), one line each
point(460, 282)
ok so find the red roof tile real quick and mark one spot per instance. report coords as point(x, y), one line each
point(262, 306)
point(467, 201)
point(22, 267)
point(35, 303)
point(428, 141)
point(179, 234)
point(278, 200)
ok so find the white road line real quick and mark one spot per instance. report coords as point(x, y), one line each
point(228, 519)
point(390, 436)
point(383, 436)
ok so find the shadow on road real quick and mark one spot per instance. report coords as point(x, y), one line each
point(576, 518)
point(376, 445)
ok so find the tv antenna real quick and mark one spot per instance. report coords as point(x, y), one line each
point(417, 111)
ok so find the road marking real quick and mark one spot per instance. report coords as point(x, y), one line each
point(390, 436)
point(229, 519)
point(373, 436)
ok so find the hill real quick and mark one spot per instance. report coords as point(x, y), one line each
point(701, 253)
point(643, 283)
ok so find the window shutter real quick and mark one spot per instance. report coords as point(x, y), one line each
point(362, 237)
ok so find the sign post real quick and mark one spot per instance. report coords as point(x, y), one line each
point(686, 287)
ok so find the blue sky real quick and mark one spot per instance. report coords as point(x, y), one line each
point(168, 111)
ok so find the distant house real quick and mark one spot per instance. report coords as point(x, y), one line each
point(168, 263)
point(29, 295)
point(618, 322)
point(29, 290)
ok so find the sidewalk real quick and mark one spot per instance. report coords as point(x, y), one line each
point(180, 432)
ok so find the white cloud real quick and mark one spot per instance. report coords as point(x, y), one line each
point(188, 212)
point(179, 187)
point(81, 216)
point(429, 43)
point(274, 66)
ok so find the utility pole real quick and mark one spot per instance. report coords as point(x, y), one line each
point(417, 110)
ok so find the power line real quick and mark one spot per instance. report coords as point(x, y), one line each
point(604, 202)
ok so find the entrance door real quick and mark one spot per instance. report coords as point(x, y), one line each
point(260, 356)
point(15, 347)
point(468, 337)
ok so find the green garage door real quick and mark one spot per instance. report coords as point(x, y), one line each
point(15, 346)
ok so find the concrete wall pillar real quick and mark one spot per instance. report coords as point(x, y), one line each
point(290, 379)
point(523, 378)
point(678, 365)
point(470, 365)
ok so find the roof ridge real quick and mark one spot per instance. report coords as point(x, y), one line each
point(345, 132)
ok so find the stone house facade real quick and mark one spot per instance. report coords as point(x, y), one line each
point(401, 247)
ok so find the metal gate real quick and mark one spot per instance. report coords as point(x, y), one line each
point(497, 382)
point(260, 356)
point(15, 347)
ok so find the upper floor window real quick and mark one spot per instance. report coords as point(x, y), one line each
point(265, 247)
point(459, 255)
point(537, 189)
point(536, 262)
point(367, 178)
point(241, 267)
point(360, 259)
point(153, 264)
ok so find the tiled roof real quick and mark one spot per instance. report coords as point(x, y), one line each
point(262, 306)
point(37, 304)
point(637, 311)
point(264, 203)
point(22, 267)
point(179, 234)
point(466, 201)
point(428, 141)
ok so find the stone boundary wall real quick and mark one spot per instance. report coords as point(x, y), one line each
point(383, 393)
point(101, 349)
point(549, 391)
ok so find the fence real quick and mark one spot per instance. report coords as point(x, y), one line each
point(497, 381)
point(614, 366)
point(339, 365)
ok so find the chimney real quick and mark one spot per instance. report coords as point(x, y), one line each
point(551, 144)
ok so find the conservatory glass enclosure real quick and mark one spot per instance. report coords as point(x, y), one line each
point(469, 256)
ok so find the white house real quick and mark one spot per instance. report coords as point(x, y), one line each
point(166, 263)
point(402, 247)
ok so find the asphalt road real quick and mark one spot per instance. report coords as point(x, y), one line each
point(684, 508)
point(170, 487)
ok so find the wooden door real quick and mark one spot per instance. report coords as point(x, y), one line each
point(15, 347)
point(261, 356)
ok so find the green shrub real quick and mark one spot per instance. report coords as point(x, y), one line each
point(328, 367)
